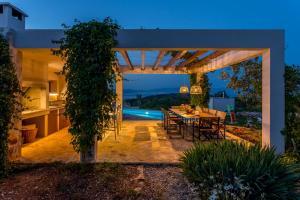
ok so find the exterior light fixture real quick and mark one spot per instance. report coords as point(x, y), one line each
point(53, 94)
point(184, 90)
point(196, 89)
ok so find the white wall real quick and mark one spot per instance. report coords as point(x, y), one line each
point(10, 22)
point(219, 103)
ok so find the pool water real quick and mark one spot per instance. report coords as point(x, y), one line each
point(144, 113)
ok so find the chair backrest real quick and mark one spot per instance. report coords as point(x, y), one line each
point(222, 115)
point(198, 108)
point(213, 112)
point(205, 110)
point(209, 122)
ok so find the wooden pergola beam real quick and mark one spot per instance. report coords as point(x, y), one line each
point(174, 59)
point(126, 58)
point(142, 59)
point(209, 57)
point(225, 60)
point(204, 60)
point(158, 59)
point(193, 57)
point(148, 70)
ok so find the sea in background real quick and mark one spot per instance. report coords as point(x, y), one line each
point(132, 94)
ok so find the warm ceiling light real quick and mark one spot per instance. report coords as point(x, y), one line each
point(184, 90)
point(196, 89)
point(53, 94)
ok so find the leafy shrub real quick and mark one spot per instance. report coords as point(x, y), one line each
point(9, 104)
point(292, 108)
point(229, 170)
point(203, 98)
point(90, 75)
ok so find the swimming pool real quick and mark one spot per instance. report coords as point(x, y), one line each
point(144, 113)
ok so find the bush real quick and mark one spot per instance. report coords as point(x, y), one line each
point(90, 76)
point(229, 170)
point(9, 104)
point(292, 109)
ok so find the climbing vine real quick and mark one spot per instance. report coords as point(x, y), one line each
point(90, 76)
point(9, 92)
point(200, 99)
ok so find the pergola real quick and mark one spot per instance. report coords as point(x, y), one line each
point(213, 50)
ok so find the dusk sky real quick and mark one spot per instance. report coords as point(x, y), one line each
point(172, 14)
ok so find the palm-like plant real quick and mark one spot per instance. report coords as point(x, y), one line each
point(231, 170)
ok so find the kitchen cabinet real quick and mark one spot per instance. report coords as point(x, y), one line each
point(53, 122)
point(63, 121)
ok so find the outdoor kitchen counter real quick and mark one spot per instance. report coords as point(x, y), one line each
point(56, 107)
point(47, 120)
point(39, 117)
point(27, 114)
point(56, 119)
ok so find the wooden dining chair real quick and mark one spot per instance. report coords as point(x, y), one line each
point(208, 127)
point(164, 113)
point(172, 123)
point(222, 116)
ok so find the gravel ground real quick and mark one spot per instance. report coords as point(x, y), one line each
point(100, 181)
point(166, 183)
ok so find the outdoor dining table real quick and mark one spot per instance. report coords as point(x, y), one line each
point(189, 118)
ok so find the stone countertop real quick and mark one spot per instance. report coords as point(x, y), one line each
point(26, 114)
point(56, 107)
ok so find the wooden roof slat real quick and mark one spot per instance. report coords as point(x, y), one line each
point(193, 57)
point(126, 58)
point(226, 59)
point(209, 57)
point(158, 59)
point(174, 59)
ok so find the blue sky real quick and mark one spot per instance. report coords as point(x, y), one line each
point(188, 14)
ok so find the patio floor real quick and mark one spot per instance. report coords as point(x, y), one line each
point(138, 142)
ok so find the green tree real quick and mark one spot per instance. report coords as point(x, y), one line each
point(90, 76)
point(200, 99)
point(246, 79)
point(250, 73)
point(292, 108)
point(9, 104)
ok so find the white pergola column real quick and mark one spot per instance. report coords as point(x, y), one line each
point(273, 99)
point(119, 100)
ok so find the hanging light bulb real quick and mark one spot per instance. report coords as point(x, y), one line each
point(196, 89)
point(184, 90)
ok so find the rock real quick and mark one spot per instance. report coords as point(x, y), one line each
point(140, 179)
point(141, 176)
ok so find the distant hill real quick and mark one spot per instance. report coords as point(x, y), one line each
point(132, 93)
point(158, 101)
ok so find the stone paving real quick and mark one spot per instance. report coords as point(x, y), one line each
point(138, 142)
